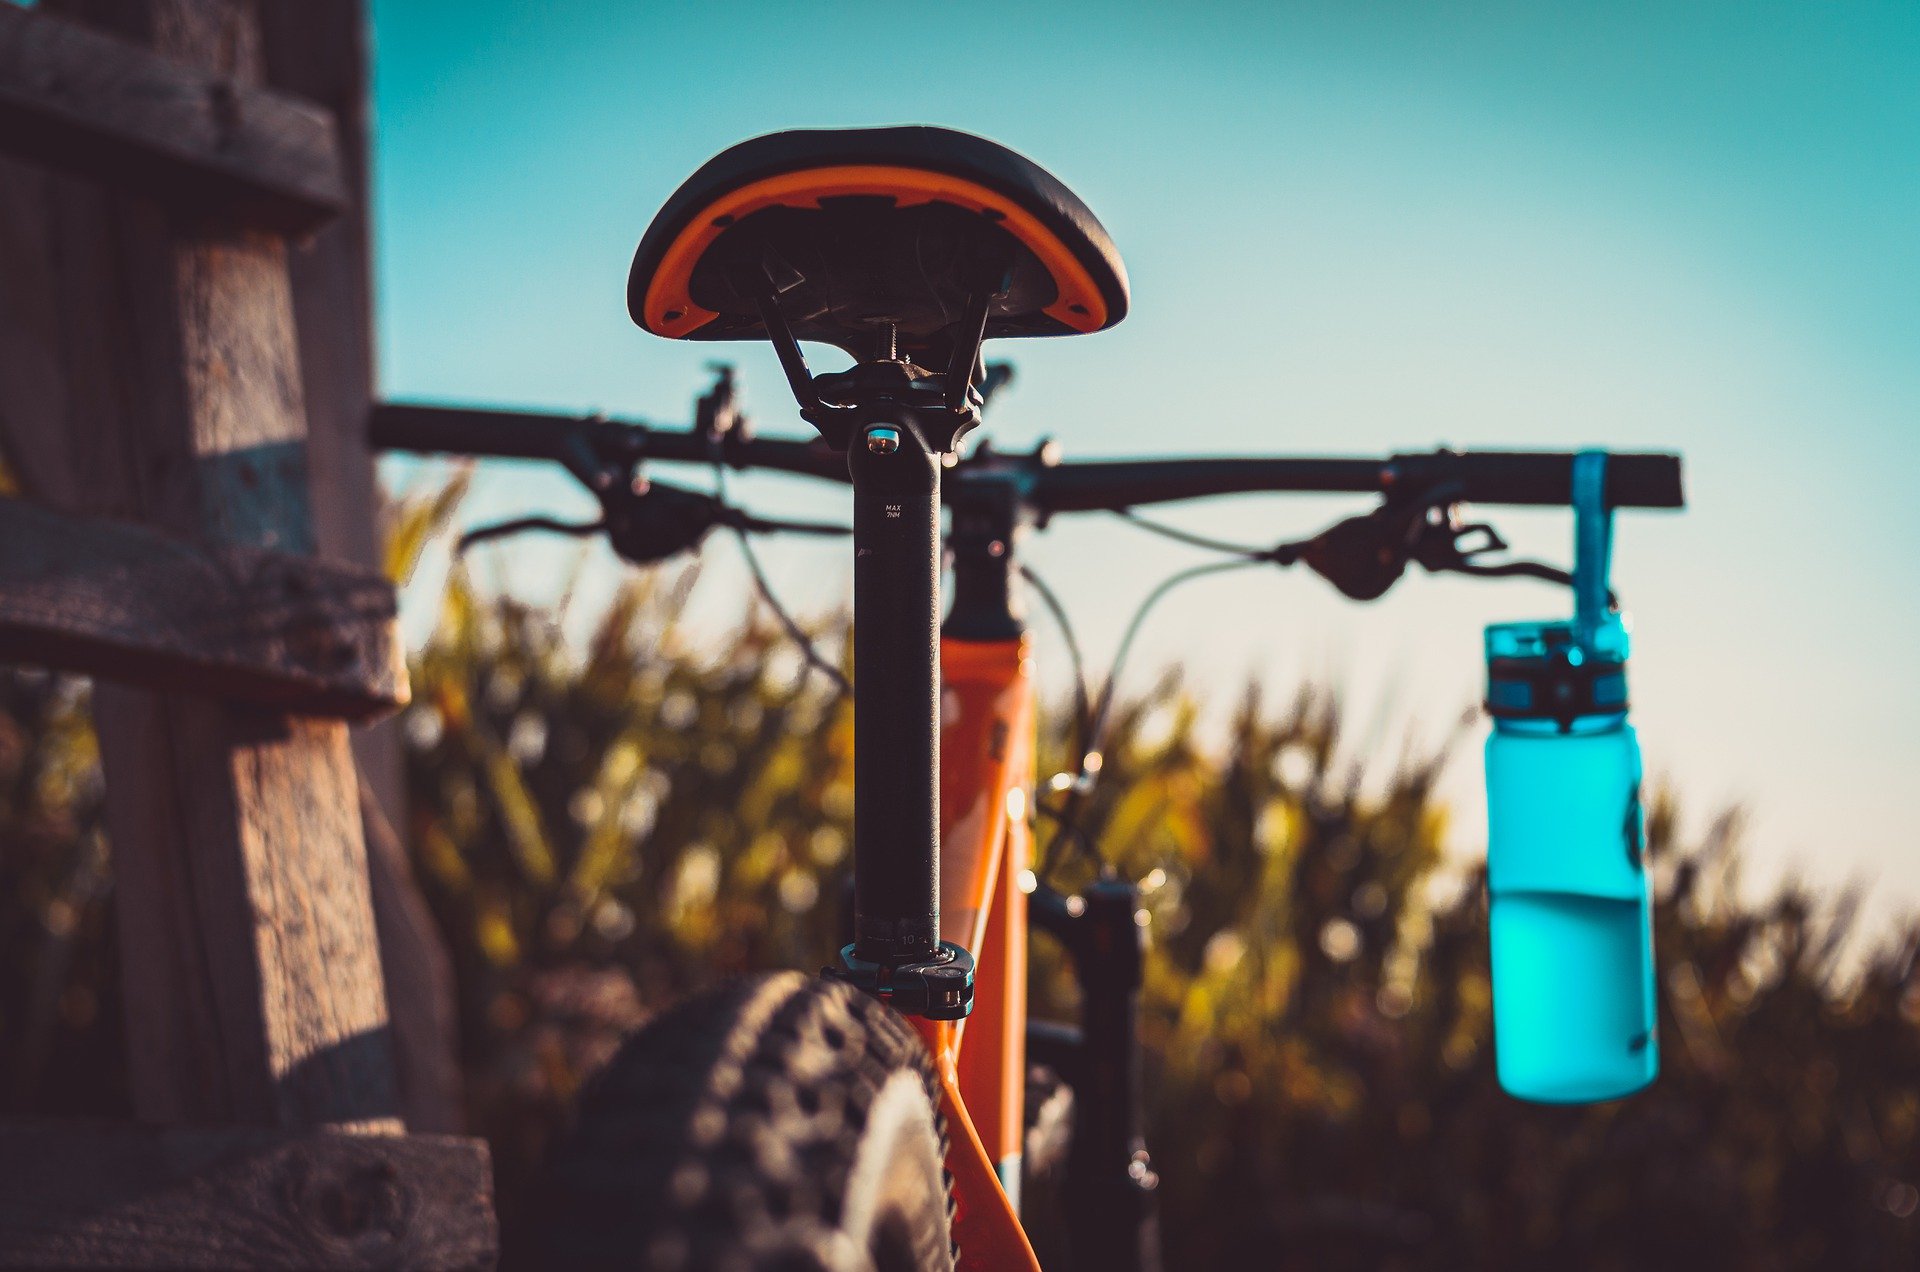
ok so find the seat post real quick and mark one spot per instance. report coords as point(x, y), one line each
point(896, 643)
point(896, 421)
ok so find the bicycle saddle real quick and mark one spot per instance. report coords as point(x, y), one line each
point(874, 240)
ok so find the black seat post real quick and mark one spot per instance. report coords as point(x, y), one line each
point(896, 644)
point(897, 423)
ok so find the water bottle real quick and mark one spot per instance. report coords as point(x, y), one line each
point(1571, 919)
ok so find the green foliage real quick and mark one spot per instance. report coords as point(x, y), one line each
point(604, 825)
point(1318, 1008)
point(60, 1038)
point(1318, 1027)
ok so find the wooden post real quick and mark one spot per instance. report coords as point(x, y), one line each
point(318, 50)
point(151, 345)
point(251, 966)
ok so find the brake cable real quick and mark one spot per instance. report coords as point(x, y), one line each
point(1187, 536)
point(521, 525)
point(797, 634)
point(1092, 759)
point(1082, 717)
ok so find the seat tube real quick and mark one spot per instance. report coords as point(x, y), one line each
point(896, 654)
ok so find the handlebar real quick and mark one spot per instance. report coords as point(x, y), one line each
point(1539, 478)
point(1493, 477)
point(457, 430)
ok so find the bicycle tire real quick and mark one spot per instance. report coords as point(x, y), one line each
point(779, 1124)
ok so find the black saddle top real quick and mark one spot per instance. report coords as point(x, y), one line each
point(873, 239)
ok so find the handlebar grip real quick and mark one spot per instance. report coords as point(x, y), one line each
point(504, 434)
point(1541, 477)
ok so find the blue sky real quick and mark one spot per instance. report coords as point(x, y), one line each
point(1350, 229)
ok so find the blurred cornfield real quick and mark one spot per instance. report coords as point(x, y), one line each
point(602, 826)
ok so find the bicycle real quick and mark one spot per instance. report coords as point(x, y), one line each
point(840, 1122)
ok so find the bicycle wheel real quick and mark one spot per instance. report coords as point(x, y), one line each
point(782, 1122)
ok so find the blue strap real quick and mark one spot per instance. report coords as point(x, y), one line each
point(1592, 543)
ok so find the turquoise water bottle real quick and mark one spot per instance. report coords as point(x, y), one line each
point(1571, 919)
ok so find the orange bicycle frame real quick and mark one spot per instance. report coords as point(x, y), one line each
point(987, 739)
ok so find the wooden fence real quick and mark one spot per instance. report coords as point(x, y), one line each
point(185, 370)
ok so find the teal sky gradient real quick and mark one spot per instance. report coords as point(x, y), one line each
point(1350, 229)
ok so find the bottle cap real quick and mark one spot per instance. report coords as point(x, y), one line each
point(1547, 671)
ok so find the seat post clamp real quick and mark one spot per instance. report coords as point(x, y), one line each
point(939, 988)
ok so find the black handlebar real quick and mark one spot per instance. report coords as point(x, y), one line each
point(1488, 477)
point(1491, 477)
point(456, 430)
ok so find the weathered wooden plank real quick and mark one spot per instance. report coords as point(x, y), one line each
point(119, 602)
point(102, 1195)
point(249, 957)
point(106, 109)
point(318, 51)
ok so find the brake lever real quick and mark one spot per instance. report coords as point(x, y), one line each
point(1364, 556)
point(1441, 548)
point(1443, 544)
point(1513, 569)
